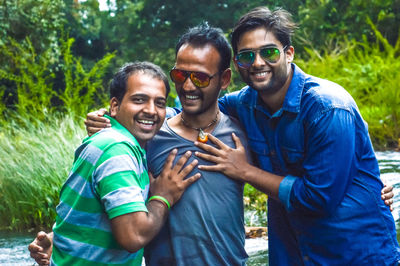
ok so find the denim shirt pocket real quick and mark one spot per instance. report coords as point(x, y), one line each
point(293, 158)
point(260, 152)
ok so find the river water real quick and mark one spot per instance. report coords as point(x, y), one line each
point(13, 246)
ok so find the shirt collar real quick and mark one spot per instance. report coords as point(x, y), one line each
point(295, 90)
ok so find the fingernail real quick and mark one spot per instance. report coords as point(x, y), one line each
point(195, 143)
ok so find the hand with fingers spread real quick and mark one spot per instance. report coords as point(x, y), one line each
point(41, 247)
point(95, 121)
point(387, 196)
point(171, 184)
point(229, 161)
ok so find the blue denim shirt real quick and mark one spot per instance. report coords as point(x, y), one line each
point(329, 210)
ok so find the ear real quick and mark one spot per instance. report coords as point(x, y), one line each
point(290, 54)
point(226, 78)
point(114, 107)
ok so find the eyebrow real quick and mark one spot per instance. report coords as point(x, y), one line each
point(146, 96)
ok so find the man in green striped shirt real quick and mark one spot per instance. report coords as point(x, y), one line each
point(104, 216)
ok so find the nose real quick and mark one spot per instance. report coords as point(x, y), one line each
point(258, 61)
point(188, 85)
point(150, 108)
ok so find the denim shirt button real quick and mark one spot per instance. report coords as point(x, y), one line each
point(306, 258)
point(273, 153)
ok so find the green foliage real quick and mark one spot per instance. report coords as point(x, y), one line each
point(80, 85)
point(36, 158)
point(34, 77)
point(255, 204)
point(40, 20)
point(324, 22)
point(368, 71)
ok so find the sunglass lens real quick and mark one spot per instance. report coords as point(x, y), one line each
point(270, 54)
point(178, 76)
point(245, 59)
point(200, 79)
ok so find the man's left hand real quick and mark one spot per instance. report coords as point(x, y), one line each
point(387, 196)
point(232, 162)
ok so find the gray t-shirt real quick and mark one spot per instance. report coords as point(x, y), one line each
point(206, 227)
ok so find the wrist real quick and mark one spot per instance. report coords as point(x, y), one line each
point(161, 199)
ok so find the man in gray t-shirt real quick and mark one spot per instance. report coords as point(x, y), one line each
point(206, 227)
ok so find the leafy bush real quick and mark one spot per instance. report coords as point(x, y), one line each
point(35, 77)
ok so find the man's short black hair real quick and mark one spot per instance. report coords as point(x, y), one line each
point(119, 81)
point(202, 35)
point(279, 22)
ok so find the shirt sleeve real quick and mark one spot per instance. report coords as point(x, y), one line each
point(120, 181)
point(172, 111)
point(228, 103)
point(328, 165)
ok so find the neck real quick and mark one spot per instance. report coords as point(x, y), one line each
point(202, 120)
point(194, 121)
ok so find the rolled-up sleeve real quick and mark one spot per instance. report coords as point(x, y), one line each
point(328, 165)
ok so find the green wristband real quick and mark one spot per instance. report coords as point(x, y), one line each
point(155, 197)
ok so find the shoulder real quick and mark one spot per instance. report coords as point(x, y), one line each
point(321, 95)
point(240, 96)
point(227, 126)
point(112, 143)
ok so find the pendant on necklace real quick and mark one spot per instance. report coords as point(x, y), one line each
point(202, 137)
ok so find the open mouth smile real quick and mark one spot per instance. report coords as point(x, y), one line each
point(192, 97)
point(146, 122)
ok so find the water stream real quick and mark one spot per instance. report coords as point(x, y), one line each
point(13, 246)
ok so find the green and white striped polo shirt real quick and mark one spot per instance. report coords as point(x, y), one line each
point(108, 178)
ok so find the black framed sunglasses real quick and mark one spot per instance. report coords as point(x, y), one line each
point(199, 79)
point(270, 55)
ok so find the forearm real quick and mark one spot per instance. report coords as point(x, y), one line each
point(134, 230)
point(262, 180)
point(156, 218)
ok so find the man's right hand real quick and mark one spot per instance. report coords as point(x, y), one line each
point(95, 121)
point(171, 184)
point(40, 249)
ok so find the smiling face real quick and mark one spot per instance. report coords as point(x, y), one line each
point(143, 107)
point(204, 59)
point(267, 78)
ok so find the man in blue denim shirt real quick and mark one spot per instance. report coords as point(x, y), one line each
point(315, 158)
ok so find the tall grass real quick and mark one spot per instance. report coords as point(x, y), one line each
point(370, 72)
point(35, 160)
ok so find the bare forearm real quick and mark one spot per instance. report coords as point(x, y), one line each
point(262, 180)
point(156, 218)
point(134, 230)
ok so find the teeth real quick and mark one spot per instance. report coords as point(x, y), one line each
point(261, 74)
point(191, 97)
point(147, 122)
